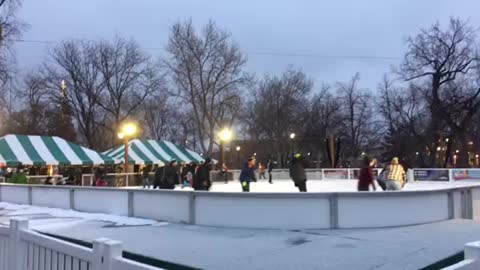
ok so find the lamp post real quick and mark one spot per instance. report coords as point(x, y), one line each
point(238, 148)
point(127, 131)
point(292, 137)
point(225, 136)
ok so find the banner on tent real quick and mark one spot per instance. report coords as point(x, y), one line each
point(465, 174)
point(431, 175)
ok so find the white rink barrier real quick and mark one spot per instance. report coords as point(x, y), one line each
point(472, 258)
point(259, 210)
point(21, 248)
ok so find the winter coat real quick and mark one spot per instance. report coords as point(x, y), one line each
point(247, 174)
point(365, 179)
point(202, 178)
point(270, 166)
point(297, 170)
point(19, 178)
point(159, 174)
point(101, 183)
point(170, 177)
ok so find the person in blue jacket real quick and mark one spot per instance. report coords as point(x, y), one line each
point(247, 174)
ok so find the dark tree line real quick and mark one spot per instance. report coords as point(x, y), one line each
point(426, 110)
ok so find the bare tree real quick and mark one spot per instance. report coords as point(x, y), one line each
point(357, 116)
point(436, 58)
point(206, 69)
point(322, 119)
point(74, 61)
point(128, 77)
point(277, 109)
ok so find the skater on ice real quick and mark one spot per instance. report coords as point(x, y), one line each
point(247, 175)
point(297, 172)
point(365, 176)
point(395, 175)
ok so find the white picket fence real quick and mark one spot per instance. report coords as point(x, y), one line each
point(24, 249)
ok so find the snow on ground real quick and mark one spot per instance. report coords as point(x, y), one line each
point(328, 185)
point(73, 217)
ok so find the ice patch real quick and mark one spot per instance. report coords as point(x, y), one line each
point(24, 210)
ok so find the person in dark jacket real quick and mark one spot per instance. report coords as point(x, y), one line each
point(297, 173)
point(247, 175)
point(270, 168)
point(365, 176)
point(202, 176)
point(157, 181)
point(145, 176)
point(170, 176)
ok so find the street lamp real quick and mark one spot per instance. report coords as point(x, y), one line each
point(127, 131)
point(292, 136)
point(225, 136)
point(238, 155)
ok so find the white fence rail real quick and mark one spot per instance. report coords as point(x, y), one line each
point(24, 249)
point(472, 258)
point(258, 210)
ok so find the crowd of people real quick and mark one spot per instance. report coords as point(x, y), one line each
point(197, 176)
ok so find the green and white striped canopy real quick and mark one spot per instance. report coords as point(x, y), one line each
point(153, 152)
point(45, 150)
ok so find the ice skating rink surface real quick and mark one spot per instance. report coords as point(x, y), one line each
point(327, 185)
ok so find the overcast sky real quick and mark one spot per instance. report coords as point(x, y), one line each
point(324, 35)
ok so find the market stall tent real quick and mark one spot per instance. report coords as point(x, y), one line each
point(153, 152)
point(46, 150)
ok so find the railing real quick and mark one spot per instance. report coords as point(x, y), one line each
point(472, 258)
point(259, 210)
point(116, 179)
point(21, 248)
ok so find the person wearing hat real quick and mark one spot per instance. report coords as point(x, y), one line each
point(297, 172)
point(395, 175)
point(247, 175)
point(201, 180)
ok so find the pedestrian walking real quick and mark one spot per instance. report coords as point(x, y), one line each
point(395, 175)
point(270, 168)
point(297, 172)
point(365, 176)
point(247, 175)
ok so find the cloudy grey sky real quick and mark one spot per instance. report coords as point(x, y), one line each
point(317, 35)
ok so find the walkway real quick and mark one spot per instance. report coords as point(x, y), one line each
point(218, 248)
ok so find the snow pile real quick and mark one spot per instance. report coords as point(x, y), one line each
point(24, 210)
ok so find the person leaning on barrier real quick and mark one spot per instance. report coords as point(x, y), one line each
point(395, 175)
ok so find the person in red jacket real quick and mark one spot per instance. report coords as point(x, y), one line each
point(365, 176)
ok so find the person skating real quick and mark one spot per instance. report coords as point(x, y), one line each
point(225, 173)
point(365, 176)
point(247, 175)
point(202, 176)
point(270, 168)
point(261, 171)
point(297, 173)
point(395, 175)
point(170, 176)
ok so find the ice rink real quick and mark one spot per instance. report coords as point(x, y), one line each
point(327, 185)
